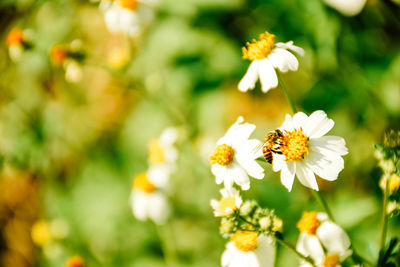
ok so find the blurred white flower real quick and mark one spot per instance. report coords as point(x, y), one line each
point(347, 7)
point(229, 202)
point(73, 71)
point(234, 157)
point(249, 249)
point(322, 240)
point(127, 16)
point(162, 150)
point(17, 43)
point(305, 150)
point(266, 57)
point(147, 200)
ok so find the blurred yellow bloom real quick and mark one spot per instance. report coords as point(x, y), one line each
point(15, 37)
point(41, 233)
point(75, 261)
point(394, 183)
point(143, 184)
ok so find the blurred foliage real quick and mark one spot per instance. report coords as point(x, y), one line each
point(69, 150)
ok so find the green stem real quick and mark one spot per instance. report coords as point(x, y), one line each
point(323, 204)
point(383, 221)
point(167, 244)
point(284, 87)
point(279, 238)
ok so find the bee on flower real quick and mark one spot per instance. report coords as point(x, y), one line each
point(234, 159)
point(148, 199)
point(70, 58)
point(322, 240)
point(18, 41)
point(249, 249)
point(228, 204)
point(266, 57)
point(304, 150)
point(127, 16)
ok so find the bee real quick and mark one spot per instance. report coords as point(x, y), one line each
point(271, 144)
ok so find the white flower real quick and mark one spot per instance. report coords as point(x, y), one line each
point(248, 249)
point(73, 71)
point(266, 57)
point(322, 240)
point(147, 200)
point(162, 150)
point(229, 202)
point(127, 16)
point(305, 150)
point(347, 7)
point(234, 157)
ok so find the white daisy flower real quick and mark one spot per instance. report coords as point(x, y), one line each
point(322, 240)
point(234, 158)
point(266, 57)
point(305, 150)
point(347, 7)
point(127, 16)
point(162, 150)
point(147, 201)
point(249, 249)
point(229, 202)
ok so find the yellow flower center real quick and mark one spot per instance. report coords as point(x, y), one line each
point(294, 144)
point(58, 54)
point(15, 37)
point(277, 225)
point(75, 261)
point(128, 4)
point(245, 241)
point(331, 260)
point(259, 49)
point(394, 183)
point(223, 155)
point(143, 184)
point(308, 223)
point(156, 153)
point(227, 203)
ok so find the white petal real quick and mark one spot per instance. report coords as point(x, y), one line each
point(252, 168)
point(277, 162)
point(283, 60)
point(250, 78)
point(159, 175)
point(111, 18)
point(346, 7)
point(220, 172)
point(268, 76)
point(159, 209)
point(243, 133)
point(289, 45)
point(314, 248)
point(227, 256)
point(139, 204)
point(306, 175)
point(168, 137)
point(239, 175)
point(287, 174)
point(265, 251)
point(318, 124)
point(230, 135)
point(300, 245)
point(325, 164)
point(334, 239)
point(300, 119)
point(287, 124)
point(334, 143)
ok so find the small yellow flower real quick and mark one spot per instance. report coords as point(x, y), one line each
point(331, 260)
point(308, 223)
point(143, 184)
point(41, 233)
point(394, 183)
point(75, 261)
point(15, 37)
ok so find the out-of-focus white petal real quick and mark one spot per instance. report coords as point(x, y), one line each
point(221, 174)
point(347, 7)
point(266, 251)
point(306, 175)
point(239, 176)
point(159, 208)
point(168, 137)
point(139, 204)
point(250, 78)
point(314, 248)
point(289, 45)
point(268, 76)
point(227, 255)
point(287, 174)
point(283, 60)
point(111, 18)
point(333, 238)
point(318, 124)
point(159, 174)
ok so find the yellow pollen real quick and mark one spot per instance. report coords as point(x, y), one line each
point(294, 144)
point(308, 223)
point(128, 4)
point(156, 153)
point(394, 183)
point(259, 49)
point(227, 203)
point(143, 184)
point(223, 155)
point(331, 260)
point(245, 241)
point(277, 225)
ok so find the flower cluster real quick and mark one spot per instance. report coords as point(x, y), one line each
point(148, 197)
point(127, 16)
point(69, 57)
point(18, 41)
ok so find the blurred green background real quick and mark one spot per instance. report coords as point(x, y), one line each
point(69, 151)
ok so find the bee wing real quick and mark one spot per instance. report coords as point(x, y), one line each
point(257, 148)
